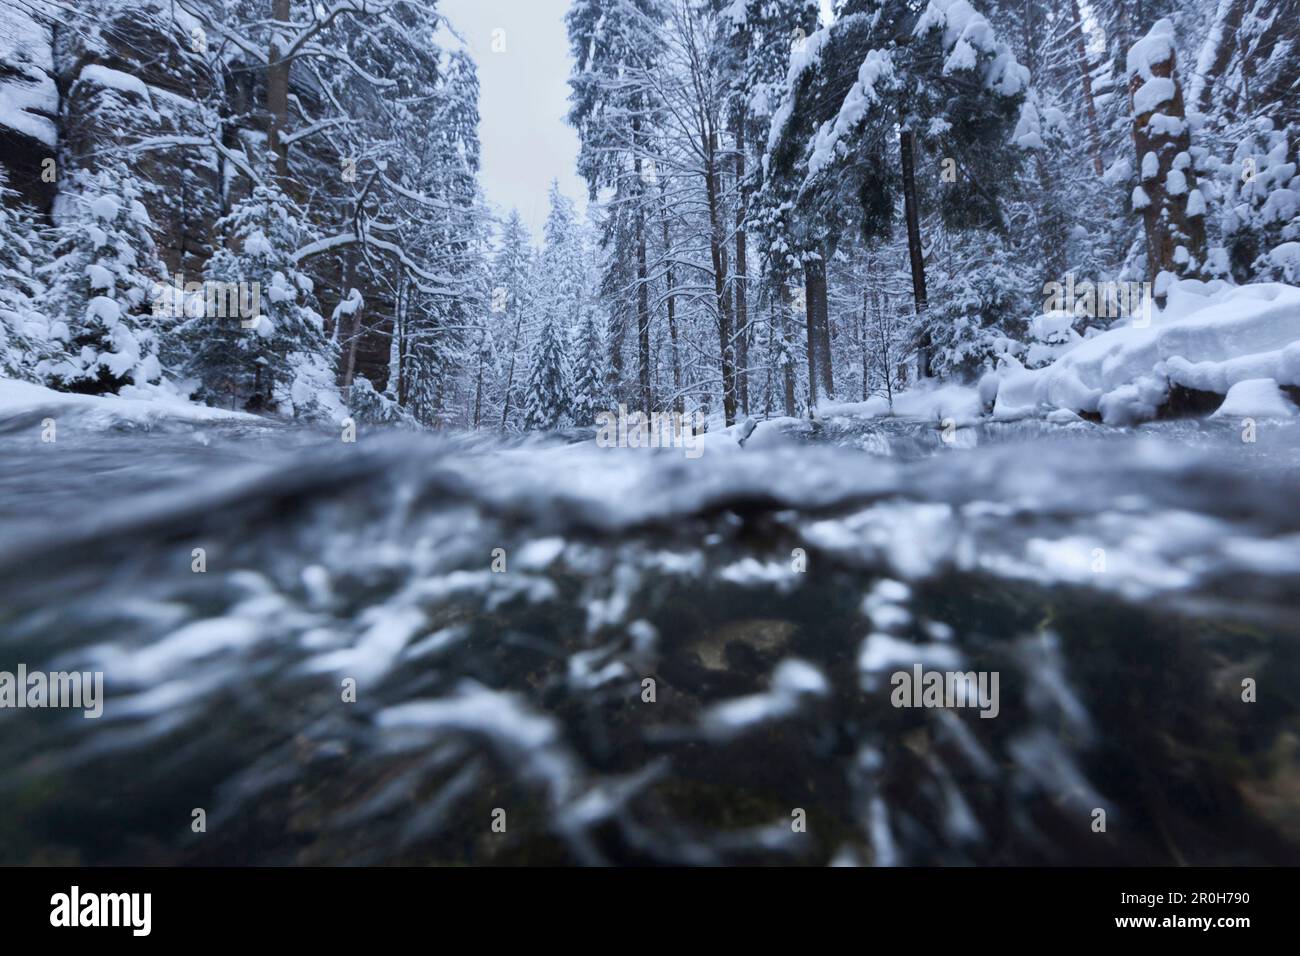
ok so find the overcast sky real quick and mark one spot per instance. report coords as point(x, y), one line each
point(523, 101)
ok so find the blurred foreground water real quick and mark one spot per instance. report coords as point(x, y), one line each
point(1122, 584)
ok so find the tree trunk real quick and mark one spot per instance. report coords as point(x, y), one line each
point(810, 325)
point(718, 256)
point(478, 389)
point(670, 280)
point(1089, 105)
point(819, 330)
point(400, 330)
point(510, 375)
point(782, 298)
point(1168, 226)
point(742, 306)
point(277, 90)
point(642, 282)
point(349, 325)
point(862, 340)
point(907, 154)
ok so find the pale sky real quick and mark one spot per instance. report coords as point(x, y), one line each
point(523, 100)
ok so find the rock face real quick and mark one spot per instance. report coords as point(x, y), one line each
point(114, 94)
point(29, 105)
point(129, 87)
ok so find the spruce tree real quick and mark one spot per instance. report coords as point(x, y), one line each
point(588, 397)
point(28, 342)
point(103, 283)
point(893, 101)
point(546, 397)
point(278, 359)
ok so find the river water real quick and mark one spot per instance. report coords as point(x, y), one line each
point(427, 649)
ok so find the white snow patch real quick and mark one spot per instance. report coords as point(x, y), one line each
point(1256, 398)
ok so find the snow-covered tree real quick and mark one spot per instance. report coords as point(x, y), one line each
point(547, 394)
point(103, 284)
point(270, 353)
point(588, 390)
point(876, 96)
point(616, 49)
point(512, 272)
point(1172, 207)
point(29, 342)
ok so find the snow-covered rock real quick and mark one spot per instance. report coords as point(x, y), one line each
point(1209, 337)
point(1256, 398)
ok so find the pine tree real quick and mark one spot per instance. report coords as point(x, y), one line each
point(616, 52)
point(271, 353)
point(939, 87)
point(589, 377)
point(560, 293)
point(546, 397)
point(103, 283)
point(28, 342)
point(511, 275)
point(1167, 197)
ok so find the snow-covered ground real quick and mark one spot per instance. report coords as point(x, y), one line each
point(144, 409)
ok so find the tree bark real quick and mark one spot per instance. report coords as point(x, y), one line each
point(819, 330)
point(510, 375)
point(1165, 220)
point(1089, 104)
point(782, 300)
point(915, 253)
point(349, 325)
point(810, 326)
point(277, 90)
point(742, 306)
point(478, 389)
point(717, 254)
point(671, 282)
point(642, 280)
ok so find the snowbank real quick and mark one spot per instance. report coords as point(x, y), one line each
point(1209, 337)
point(1256, 398)
point(925, 402)
point(18, 399)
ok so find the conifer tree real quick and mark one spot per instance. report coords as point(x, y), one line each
point(270, 353)
point(588, 396)
point(28, 340)
point(546, 396)
point(104, 283)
